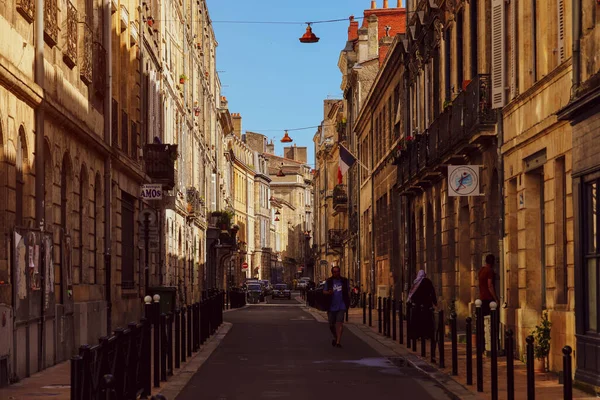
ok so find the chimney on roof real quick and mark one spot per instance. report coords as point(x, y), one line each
point(373, 4)
point(385, 4)
point(353, 29)
point(399, 4)
point(237, 124)
point(271, 148)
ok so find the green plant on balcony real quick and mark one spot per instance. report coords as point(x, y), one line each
point(223, 219)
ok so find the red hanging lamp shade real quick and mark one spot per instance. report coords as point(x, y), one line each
point(309, 36)
point(286, 138)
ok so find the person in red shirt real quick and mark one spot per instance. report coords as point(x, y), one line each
point(487, 279)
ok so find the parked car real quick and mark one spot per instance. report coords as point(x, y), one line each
point(255, 293)
point(281, 290)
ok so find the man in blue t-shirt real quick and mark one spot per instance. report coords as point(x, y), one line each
point(337, 293)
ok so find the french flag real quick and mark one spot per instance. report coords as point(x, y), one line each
point(347, 160)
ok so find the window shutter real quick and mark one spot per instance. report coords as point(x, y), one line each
point(561, 31)
point(498, 61)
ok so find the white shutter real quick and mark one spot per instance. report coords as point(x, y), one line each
point(561, 31)
point(498, 51)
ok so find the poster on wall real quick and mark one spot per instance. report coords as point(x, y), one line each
point(463, 180)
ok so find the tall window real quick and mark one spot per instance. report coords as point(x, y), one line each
point(127, 245)
point(560, 231)
point(474, 53)
point(460, 49)
point(592, 254)
point(447, 61)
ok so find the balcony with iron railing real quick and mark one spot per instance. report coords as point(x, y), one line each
point(99, 69)
point(342, 131)
point(340, 198)
point(70, 51)
point(159, 161)
point(335, 237)
point(51, 22)
point(467, 120)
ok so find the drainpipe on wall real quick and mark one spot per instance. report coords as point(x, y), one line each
point(576, 4)
point(40, 190)
point(373, 286)
point(108, 166)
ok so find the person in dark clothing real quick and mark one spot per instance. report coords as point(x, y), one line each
point(487, 282)
point(337, 298)
point(422, 296)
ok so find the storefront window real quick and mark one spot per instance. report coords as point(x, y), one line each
point(592, 255)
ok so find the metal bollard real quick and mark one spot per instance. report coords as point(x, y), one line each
point(494, 345)
point(183, 338)
point(109, 386)
point(454, 339)
point(384, 316)
point(364, 307)
point(510, 365)
point(479, 343)
point(379, 313)
point(408, 332)
point(393, 319)
point(163, 349)
point(370, 309)
point(530, 372)
point(189, 330)
point(469, 330)
point(401, 323)
point(177, 338)
point(441, 327)
point(76, 368)
point(432, 338)
point(347, 312)
point(389, 317)
point(156, 327)
point(413, 309)
point(170, 341)
point(158, 397)
point(423, 340)
point(567, 373)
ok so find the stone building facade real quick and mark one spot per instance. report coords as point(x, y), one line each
point(583, 114)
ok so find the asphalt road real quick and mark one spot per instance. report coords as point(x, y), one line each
point(282, 352)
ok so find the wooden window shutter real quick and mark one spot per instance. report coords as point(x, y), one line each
point(561, 31)
point(498, 55)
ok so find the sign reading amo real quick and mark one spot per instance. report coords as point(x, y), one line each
point(151, 192)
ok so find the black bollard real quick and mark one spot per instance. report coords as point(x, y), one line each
point(189, 331)
point(454, 338)
point(432, 338)
point(530, 372)
point(479, 343)
point(370, 309)
point(567, 373)
point(384, 316)
point(400, 323)
point(510, 365)
point(347, 312)
point(414, 329)
point(423, 335)
point(441, 336)
point(393, 319)
point(379, 314)
point(76, 369)
point(156, 327)
point(408, 317)
point(389, 317)
point(183, 338)
point(494, 344)
point(177, 338)
point(364, 307)
point(146, 358)
point(109, 386)
point(163, 349)
point(170, 341)
point(469, 334)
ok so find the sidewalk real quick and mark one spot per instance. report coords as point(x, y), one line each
point(55, 382)
point(546, 384)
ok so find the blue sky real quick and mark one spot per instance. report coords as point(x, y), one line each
point(268, 76)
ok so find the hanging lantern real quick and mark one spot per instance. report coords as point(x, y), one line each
point(277, 212)
point(309, 36)
point(286, 138)
point(276, 219)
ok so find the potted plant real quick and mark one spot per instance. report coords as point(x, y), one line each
point(182, 78)
point(541, 349)
point(222, 219)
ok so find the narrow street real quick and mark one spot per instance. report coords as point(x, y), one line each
point(278, 350)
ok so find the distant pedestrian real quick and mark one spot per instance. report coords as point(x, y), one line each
point(422, 296)
point(487, 280)
point(337, 302)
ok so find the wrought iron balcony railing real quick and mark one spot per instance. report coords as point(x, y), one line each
point(51, 22)
point(99, 69)
point(85, 66)
point(336, 237)
point(26, 8)
point(342, 132)
point(159, 160)
point(70, 52)
point(340, 196)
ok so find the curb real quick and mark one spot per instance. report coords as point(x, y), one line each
point(381, 344)
point(178, 382)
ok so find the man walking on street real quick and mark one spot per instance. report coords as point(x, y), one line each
point(337, 292)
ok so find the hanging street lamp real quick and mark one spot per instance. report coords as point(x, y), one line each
point(286, 138)
point(309, 36)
